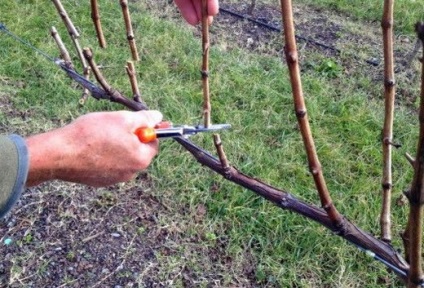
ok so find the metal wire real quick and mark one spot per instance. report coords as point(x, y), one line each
point(26, 43)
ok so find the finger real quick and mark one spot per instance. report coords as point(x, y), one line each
point(198, 8)
point(188, 11)
point(146, 153)
point(213, 7)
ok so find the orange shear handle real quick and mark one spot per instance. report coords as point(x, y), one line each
point(148, 134)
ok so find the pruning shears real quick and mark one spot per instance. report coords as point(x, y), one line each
point(166, 130)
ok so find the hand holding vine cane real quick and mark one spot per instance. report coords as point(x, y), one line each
point(191, 10)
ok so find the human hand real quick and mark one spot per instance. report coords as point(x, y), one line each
point(97, 149)
point(192, 10)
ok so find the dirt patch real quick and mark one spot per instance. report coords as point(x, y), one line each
point(66, 235)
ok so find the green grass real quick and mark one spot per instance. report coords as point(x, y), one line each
point(251, 92)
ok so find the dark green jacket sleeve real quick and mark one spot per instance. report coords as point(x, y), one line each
point(14, 164)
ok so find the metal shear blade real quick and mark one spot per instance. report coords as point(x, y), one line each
point(201, 128)
point(186, 131)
